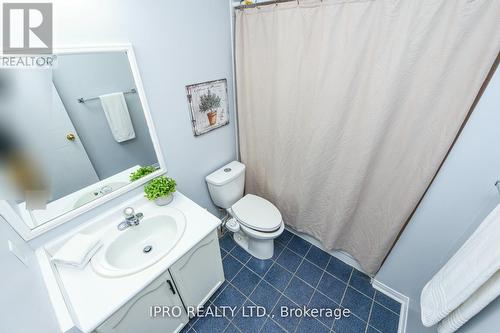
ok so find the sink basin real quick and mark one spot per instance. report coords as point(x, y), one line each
point(138, 247)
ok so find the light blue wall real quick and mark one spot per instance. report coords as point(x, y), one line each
point(176, 43)
point(461, 196)
point(24, 302)
point(91, 75)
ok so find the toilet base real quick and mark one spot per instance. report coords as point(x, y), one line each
point(259, 248)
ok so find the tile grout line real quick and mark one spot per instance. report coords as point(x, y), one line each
point(282, 294)
point(319, 291)
point(260, 279)
point(229, 283)
point(315, 289)
point(279, 291)
point(349, 285)
point(289, 282)
point(343, 295)
point(293, 274)
point(324, 269)
point(369, 315)
point(247, 299)
point(268, 317)
point(264, 274)
point(385, 307)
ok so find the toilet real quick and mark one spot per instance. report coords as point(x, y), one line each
point(254, 221)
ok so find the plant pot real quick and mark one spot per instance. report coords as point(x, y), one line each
point(162, 201)
point(212, 117)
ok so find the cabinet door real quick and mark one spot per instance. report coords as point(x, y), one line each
point(199, 272)
point(135, 316)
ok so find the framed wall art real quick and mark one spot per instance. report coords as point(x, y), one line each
point(208, 105)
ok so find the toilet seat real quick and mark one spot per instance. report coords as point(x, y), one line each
point(257, 213)
point(263, 234)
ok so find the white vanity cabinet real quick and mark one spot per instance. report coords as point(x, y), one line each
point(135, 316)
point(199, 272)
point(189, 282)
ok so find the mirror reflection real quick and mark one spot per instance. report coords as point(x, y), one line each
point(93, 135)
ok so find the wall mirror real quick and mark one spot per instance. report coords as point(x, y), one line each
point(85, 127)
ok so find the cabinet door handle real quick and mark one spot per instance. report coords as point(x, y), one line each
point(170, 284)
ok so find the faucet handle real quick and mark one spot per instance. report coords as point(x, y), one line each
point(129, 212)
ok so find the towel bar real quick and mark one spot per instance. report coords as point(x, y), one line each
point(83, 100)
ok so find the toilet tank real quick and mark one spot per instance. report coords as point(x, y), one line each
point(226, 184)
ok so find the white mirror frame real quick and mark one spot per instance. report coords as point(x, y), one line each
point(18, 222)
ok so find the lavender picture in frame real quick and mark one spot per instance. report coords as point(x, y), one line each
point(208, 105)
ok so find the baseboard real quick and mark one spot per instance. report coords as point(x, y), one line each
point(345, 257)
point(348, 259)
point(404, 300)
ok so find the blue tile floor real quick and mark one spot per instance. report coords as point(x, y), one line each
point(299, 274)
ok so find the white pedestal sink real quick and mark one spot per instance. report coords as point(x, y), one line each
point(138, 247)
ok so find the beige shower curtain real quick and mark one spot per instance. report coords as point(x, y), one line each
point(347, 108)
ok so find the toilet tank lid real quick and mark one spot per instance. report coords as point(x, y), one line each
point(226, 174)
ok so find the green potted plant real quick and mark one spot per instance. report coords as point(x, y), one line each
point(160, 190)
point(141, 172)
point(208, 104)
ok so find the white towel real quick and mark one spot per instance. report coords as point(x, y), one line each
point(479, 300)
point(116, 111)
point(77, 251)
point(468, 281)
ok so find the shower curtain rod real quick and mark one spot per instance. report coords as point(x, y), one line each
point(265, 3)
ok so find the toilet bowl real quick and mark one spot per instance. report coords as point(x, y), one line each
point(255, 222)
point(258, 223)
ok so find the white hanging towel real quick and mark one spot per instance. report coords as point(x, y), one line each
point(116, 111)
point(467, 282)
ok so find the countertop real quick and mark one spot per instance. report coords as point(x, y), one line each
point(92, 298)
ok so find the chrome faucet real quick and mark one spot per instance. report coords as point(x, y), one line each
point(131, 218)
